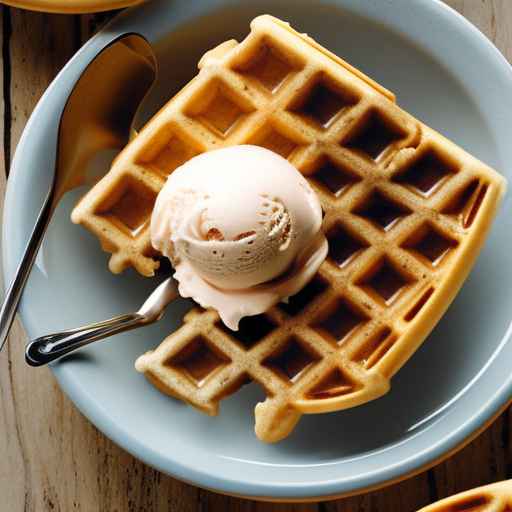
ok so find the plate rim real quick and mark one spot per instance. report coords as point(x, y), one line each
point(283, 491)
point(71, 6)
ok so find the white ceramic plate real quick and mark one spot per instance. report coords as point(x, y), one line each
point(445, 72)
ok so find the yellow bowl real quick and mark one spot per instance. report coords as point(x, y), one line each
point(71, 6)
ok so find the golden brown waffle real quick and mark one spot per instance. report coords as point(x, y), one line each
point(489, 498)
point(406, 212)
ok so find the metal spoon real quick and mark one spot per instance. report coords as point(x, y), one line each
point(98, 115)
point(48, 348)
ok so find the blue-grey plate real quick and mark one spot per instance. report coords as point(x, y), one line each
point(443, 71)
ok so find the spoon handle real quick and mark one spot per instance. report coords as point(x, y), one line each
point(15, 290)
point(48, 348)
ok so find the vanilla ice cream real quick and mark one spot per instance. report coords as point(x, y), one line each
point(241, 227)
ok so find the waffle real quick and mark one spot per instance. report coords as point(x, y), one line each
point(406, 212)
point(489, 498)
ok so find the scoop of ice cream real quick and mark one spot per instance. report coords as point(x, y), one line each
point(242, 228)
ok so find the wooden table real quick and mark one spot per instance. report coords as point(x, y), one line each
point(51, 457)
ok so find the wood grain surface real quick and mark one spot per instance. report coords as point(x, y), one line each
point(51, 457)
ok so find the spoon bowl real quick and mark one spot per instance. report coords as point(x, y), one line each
point(98, 116)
